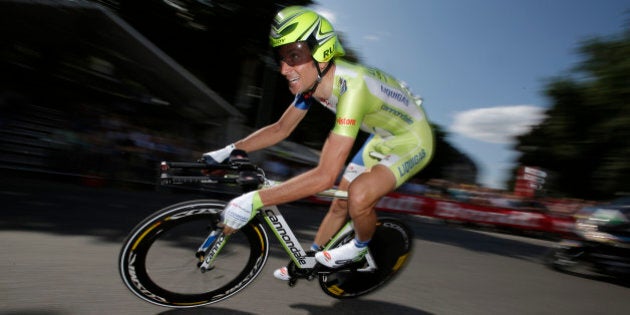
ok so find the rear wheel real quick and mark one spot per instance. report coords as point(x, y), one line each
point(159, 265)
point(390, 247)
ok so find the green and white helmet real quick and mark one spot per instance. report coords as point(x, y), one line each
point(295, 24)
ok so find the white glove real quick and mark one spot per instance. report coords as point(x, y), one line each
point(218, 156)
point(241, 209)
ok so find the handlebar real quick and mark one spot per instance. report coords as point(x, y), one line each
point(173, 173)
point(248, 176)
point(199, 165)
point(238, 170)
point(235, 171)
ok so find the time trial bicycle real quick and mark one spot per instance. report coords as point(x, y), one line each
point(179, 257)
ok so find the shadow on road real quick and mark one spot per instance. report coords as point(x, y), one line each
point(353, 306)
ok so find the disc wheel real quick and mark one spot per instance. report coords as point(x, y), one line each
point(390, 247)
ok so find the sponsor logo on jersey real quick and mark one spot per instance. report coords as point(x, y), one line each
point(406, 118)
point(343, 86)
point(409, 164)
point(395, 94)
point(342, 121)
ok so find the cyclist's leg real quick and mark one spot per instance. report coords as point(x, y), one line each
point(338, 212)
point(335, 217)
point(364, 193)
point(405, 155)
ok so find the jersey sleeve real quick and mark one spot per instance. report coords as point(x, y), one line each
point(351, 110)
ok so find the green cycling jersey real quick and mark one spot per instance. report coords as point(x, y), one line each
point(368, 99)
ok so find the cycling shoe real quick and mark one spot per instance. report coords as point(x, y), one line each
point(341, 255)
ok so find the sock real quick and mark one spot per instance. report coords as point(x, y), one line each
point(315, 247)
point(360, 244)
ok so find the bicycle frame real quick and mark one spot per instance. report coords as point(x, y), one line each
point(281, 229)
point(271, 215)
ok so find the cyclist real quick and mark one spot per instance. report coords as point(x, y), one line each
point(308, 52)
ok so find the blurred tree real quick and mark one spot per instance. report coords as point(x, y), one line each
point(448, 162)
point(583, 142)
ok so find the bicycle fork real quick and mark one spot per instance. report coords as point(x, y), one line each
point(210, 248)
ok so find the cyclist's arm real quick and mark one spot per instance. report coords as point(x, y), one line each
point(274, 133)
point(335, 151)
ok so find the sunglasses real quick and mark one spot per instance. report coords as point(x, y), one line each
point(293, 54)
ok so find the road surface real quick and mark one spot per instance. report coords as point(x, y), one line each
point(60, 243)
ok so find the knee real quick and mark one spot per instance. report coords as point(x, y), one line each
point(339, 207)
point(360, 200)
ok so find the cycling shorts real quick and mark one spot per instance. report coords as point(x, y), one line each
point(405, 155)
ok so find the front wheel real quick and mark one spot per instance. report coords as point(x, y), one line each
point(158, 263)
point(390, 247)
point(566, 256)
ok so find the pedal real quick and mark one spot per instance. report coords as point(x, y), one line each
point(292, 282)
point(296, 273)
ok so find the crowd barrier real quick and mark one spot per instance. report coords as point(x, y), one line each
point(455, 211)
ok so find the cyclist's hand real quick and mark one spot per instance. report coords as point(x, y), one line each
point(217, 156)
point(240, 210)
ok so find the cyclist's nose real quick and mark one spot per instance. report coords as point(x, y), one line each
point(285, 68)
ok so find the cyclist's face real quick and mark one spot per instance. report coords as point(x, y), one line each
point(296, 64)
point(293, 54)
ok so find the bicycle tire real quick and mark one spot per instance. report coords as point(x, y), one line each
point(158, 264)
point(391, 247)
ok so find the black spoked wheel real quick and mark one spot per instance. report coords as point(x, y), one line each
point(159, 265)
point(390, 247)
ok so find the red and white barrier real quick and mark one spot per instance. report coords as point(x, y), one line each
point(470, 213)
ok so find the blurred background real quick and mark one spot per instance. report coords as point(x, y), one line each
point(101, 91)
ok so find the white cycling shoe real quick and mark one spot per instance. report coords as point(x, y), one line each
point(341, 255)
point(282, 274)
point(334, 258)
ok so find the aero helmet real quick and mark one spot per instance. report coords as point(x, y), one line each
point(295, 24)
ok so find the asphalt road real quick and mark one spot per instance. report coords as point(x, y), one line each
point(60, 243)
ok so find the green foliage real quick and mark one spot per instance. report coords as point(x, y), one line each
point(583, 142)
